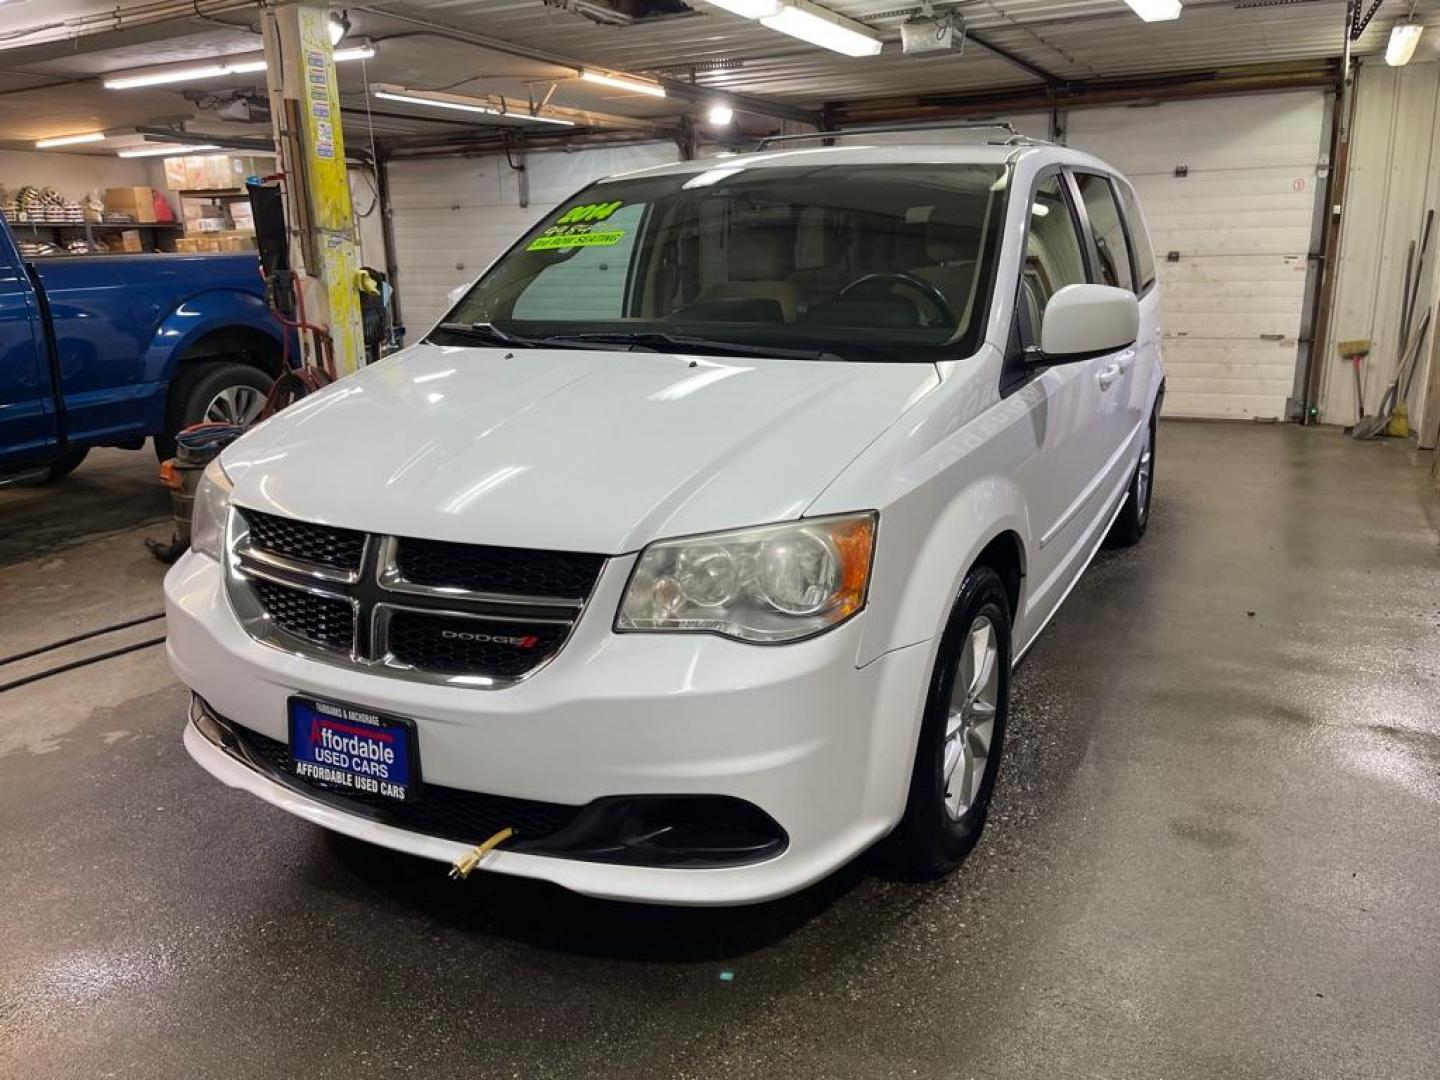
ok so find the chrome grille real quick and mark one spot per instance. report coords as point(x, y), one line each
point(304, 541)
point(421, 609)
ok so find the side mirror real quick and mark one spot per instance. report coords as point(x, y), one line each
point(1084, 321)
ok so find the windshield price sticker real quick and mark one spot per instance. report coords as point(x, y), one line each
point(569, 240)
point(576, 228)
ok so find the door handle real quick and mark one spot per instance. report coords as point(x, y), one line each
point(1107, 375)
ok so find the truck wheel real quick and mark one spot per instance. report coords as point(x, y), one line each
point(225, 392)
point(962, 734)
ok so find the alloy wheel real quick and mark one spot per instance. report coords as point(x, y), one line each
point(238, 405)
point(970, 728)
point(1142, 475)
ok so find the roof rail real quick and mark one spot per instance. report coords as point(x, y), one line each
point(1013, 137)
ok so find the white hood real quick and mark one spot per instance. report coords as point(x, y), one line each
point(569, 449)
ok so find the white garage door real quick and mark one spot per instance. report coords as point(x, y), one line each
point(1238, 226)
point(453, 216)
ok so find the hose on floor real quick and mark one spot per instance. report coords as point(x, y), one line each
point(86, 636)
point(85, 662)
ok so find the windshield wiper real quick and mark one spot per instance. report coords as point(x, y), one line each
point(489, 334)
point(654, 340)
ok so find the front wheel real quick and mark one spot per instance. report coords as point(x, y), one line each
point(962, 733)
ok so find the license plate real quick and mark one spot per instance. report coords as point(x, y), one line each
point(355, 748)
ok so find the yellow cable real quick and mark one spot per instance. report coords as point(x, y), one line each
point(462, 866)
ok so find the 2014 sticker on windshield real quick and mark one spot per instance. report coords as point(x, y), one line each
point(576, 228)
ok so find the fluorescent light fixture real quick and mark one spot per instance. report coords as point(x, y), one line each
point(720, 114)
point(459, 104)
point(819, 26)
point(70, 140)
point(339, 27)
point(623, 82)
point(354, 52)
point(1155, 10)
point(247, 64)
point(187, 73)
point(437, 103)
point(538, 119)
point(1403, 39)
point(748, 9)
point(166, 150)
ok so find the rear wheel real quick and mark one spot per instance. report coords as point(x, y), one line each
point(963, 731)
point(226, 392)
point(1130, 525)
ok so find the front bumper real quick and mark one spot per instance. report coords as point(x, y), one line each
point(820, 746)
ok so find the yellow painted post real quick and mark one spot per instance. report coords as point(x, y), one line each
point(305, 110)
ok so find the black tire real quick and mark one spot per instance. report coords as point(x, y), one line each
point(195, 387)
point(1134, 516)
point(932, 839)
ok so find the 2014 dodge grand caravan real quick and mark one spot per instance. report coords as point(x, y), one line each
point(697, 543)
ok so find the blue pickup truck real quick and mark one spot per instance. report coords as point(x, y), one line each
point(109, 350)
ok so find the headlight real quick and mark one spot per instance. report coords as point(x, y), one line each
point(776, 583)
point(207, 519)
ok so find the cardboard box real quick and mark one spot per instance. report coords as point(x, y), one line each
point(130, 240)
point(175, 173)
point(137, 203)
point(236, 243)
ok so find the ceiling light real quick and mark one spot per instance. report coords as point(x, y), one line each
point(439, 103)
point(538, 119)
point(748, 9)
point(1155, 10)
point(166, 150)
point(623, 82)
point(247, 64)
point(339, 27)
point(720, 114)
point(70, 140)
point(818, 26)
point(460, 104)
point(1403, 39)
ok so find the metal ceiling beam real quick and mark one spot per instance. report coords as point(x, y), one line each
point(1050, 78)
point(1319, 74)
point(749, 103)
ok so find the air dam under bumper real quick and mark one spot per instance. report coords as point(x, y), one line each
point(819, 746)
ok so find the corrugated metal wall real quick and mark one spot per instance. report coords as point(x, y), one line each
point(453, 216)
point(1394, 177)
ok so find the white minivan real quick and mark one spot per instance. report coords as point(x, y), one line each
point(690, 554)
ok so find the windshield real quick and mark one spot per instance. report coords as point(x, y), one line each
point(868, 263)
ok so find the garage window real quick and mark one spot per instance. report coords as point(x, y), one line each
point(1108, 230)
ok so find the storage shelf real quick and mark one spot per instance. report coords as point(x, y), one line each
point(82, 225)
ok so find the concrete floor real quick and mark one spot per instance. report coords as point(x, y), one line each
point(1214, 852)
